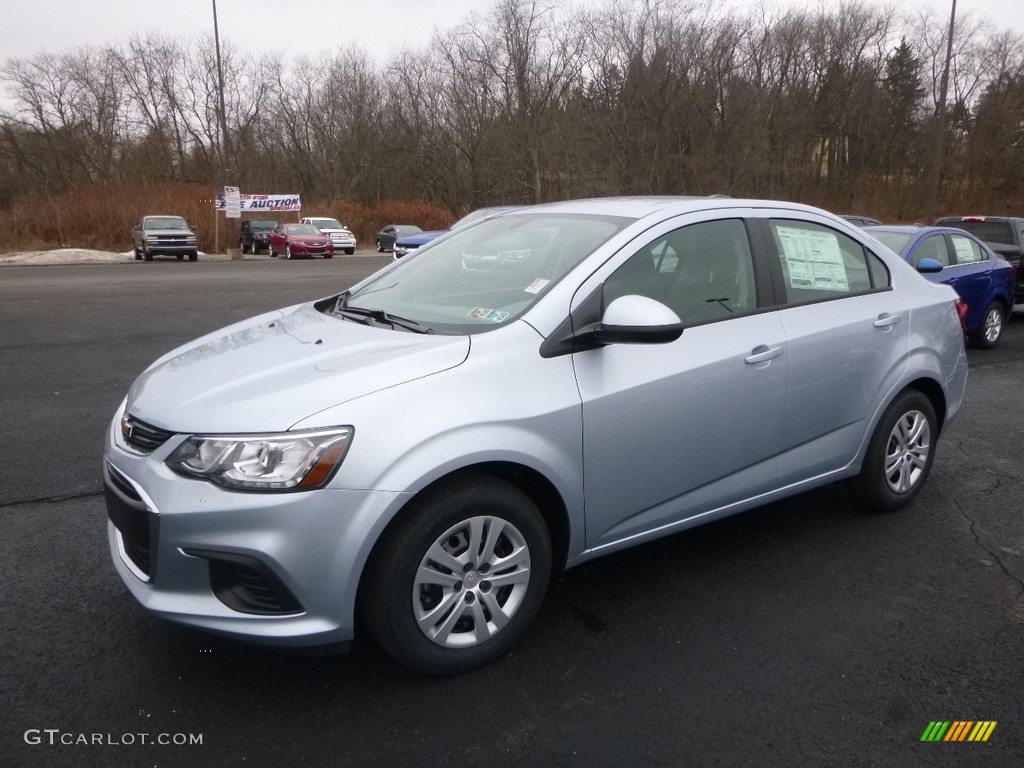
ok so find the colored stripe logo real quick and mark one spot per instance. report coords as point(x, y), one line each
point(959, 730)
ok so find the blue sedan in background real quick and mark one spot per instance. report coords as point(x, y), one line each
point(411, 242)
point(983, 280)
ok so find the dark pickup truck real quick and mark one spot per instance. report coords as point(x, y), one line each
point(1003, 234)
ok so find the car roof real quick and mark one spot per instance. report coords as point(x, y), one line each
point(639, 207)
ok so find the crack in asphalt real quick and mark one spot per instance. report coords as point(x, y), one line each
point(51, 499)
point(977, 538)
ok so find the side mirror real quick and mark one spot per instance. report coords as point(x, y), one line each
point(638, 320)
point(928, 266)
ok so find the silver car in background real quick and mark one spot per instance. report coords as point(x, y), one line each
point(427, 447)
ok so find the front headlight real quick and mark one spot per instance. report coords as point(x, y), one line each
point(190, 238)
point(151, 238)
point(289, 461)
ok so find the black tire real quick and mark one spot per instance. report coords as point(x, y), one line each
point(328, 255)
point(288, 252)
point(270, 250)
point(138, 255)
point(874, 486)
point(146, 254)
point(349, 251)
point(246, 248)
point(387, 600)
point(193, 256)
point(990, 331)
point(180, 256)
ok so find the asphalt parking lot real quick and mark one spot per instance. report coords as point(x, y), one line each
point(805, 633)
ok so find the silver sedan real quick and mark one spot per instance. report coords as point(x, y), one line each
point(531, 391)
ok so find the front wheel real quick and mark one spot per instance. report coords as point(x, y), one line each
point(380, 248)
point(991, 329)
point(899, 456)
point(458, 579)
point(138, 253)
point(349, 251)
point(193, 256)
point(288, 252)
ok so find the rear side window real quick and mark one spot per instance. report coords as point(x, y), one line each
point(966, 250)
point(819, 263)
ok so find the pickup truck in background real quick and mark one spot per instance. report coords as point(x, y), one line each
point(1003, 234)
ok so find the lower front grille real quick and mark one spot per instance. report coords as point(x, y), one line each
point(138, 529)
point(246, 585)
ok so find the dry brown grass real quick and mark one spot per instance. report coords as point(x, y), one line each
point(101, 217)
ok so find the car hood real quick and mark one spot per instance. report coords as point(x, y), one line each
point(329, 231)
point(270, 372)
point(420, 238)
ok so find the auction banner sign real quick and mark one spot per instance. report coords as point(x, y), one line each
point(262, 203)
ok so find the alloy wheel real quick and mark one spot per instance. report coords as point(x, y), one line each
point(906, 453)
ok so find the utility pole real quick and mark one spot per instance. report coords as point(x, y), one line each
point(931, 196)
point(225, 141)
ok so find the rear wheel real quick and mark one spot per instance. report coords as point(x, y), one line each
point(270, 250)
point(138, 254)
point(899, 456)
point(458, 579)
point(991, 329)
point(247, 248)
point(349, 251)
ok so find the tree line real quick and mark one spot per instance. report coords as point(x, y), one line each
point(533, 101)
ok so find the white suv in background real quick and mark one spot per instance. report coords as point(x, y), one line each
point(341, 236)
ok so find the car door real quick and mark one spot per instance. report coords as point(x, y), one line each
point(678, 430)
point(848, 338)
point(971, 275)
point(277, 240)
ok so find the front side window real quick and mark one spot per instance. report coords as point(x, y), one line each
point(933, 247)
point(703, 272)
point(966, 250)
point(819, 263)
point(484, 276)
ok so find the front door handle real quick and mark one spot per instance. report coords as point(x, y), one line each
point(885, 320)
point(762, 354)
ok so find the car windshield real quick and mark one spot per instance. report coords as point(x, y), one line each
point(989, 231)
point(302, 229)
point(326, 223)
point(407, 230)
point(262, 224)
point(895, 241)
point(486, 275)
point(166, 222)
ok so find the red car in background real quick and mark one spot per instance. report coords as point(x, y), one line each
point(294, 240)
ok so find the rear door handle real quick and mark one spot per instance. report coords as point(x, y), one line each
point(762, 354)
point(885, 320)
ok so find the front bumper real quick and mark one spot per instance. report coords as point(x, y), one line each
point(279, 569)
point(339, 240)
point(169, 249)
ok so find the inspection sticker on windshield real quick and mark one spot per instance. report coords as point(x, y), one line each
point(536, 286)
point(491, 315)
point(814, 259)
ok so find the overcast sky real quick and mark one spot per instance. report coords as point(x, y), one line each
point(294, 26)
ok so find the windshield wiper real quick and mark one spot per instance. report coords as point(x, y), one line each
point(381, 316)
